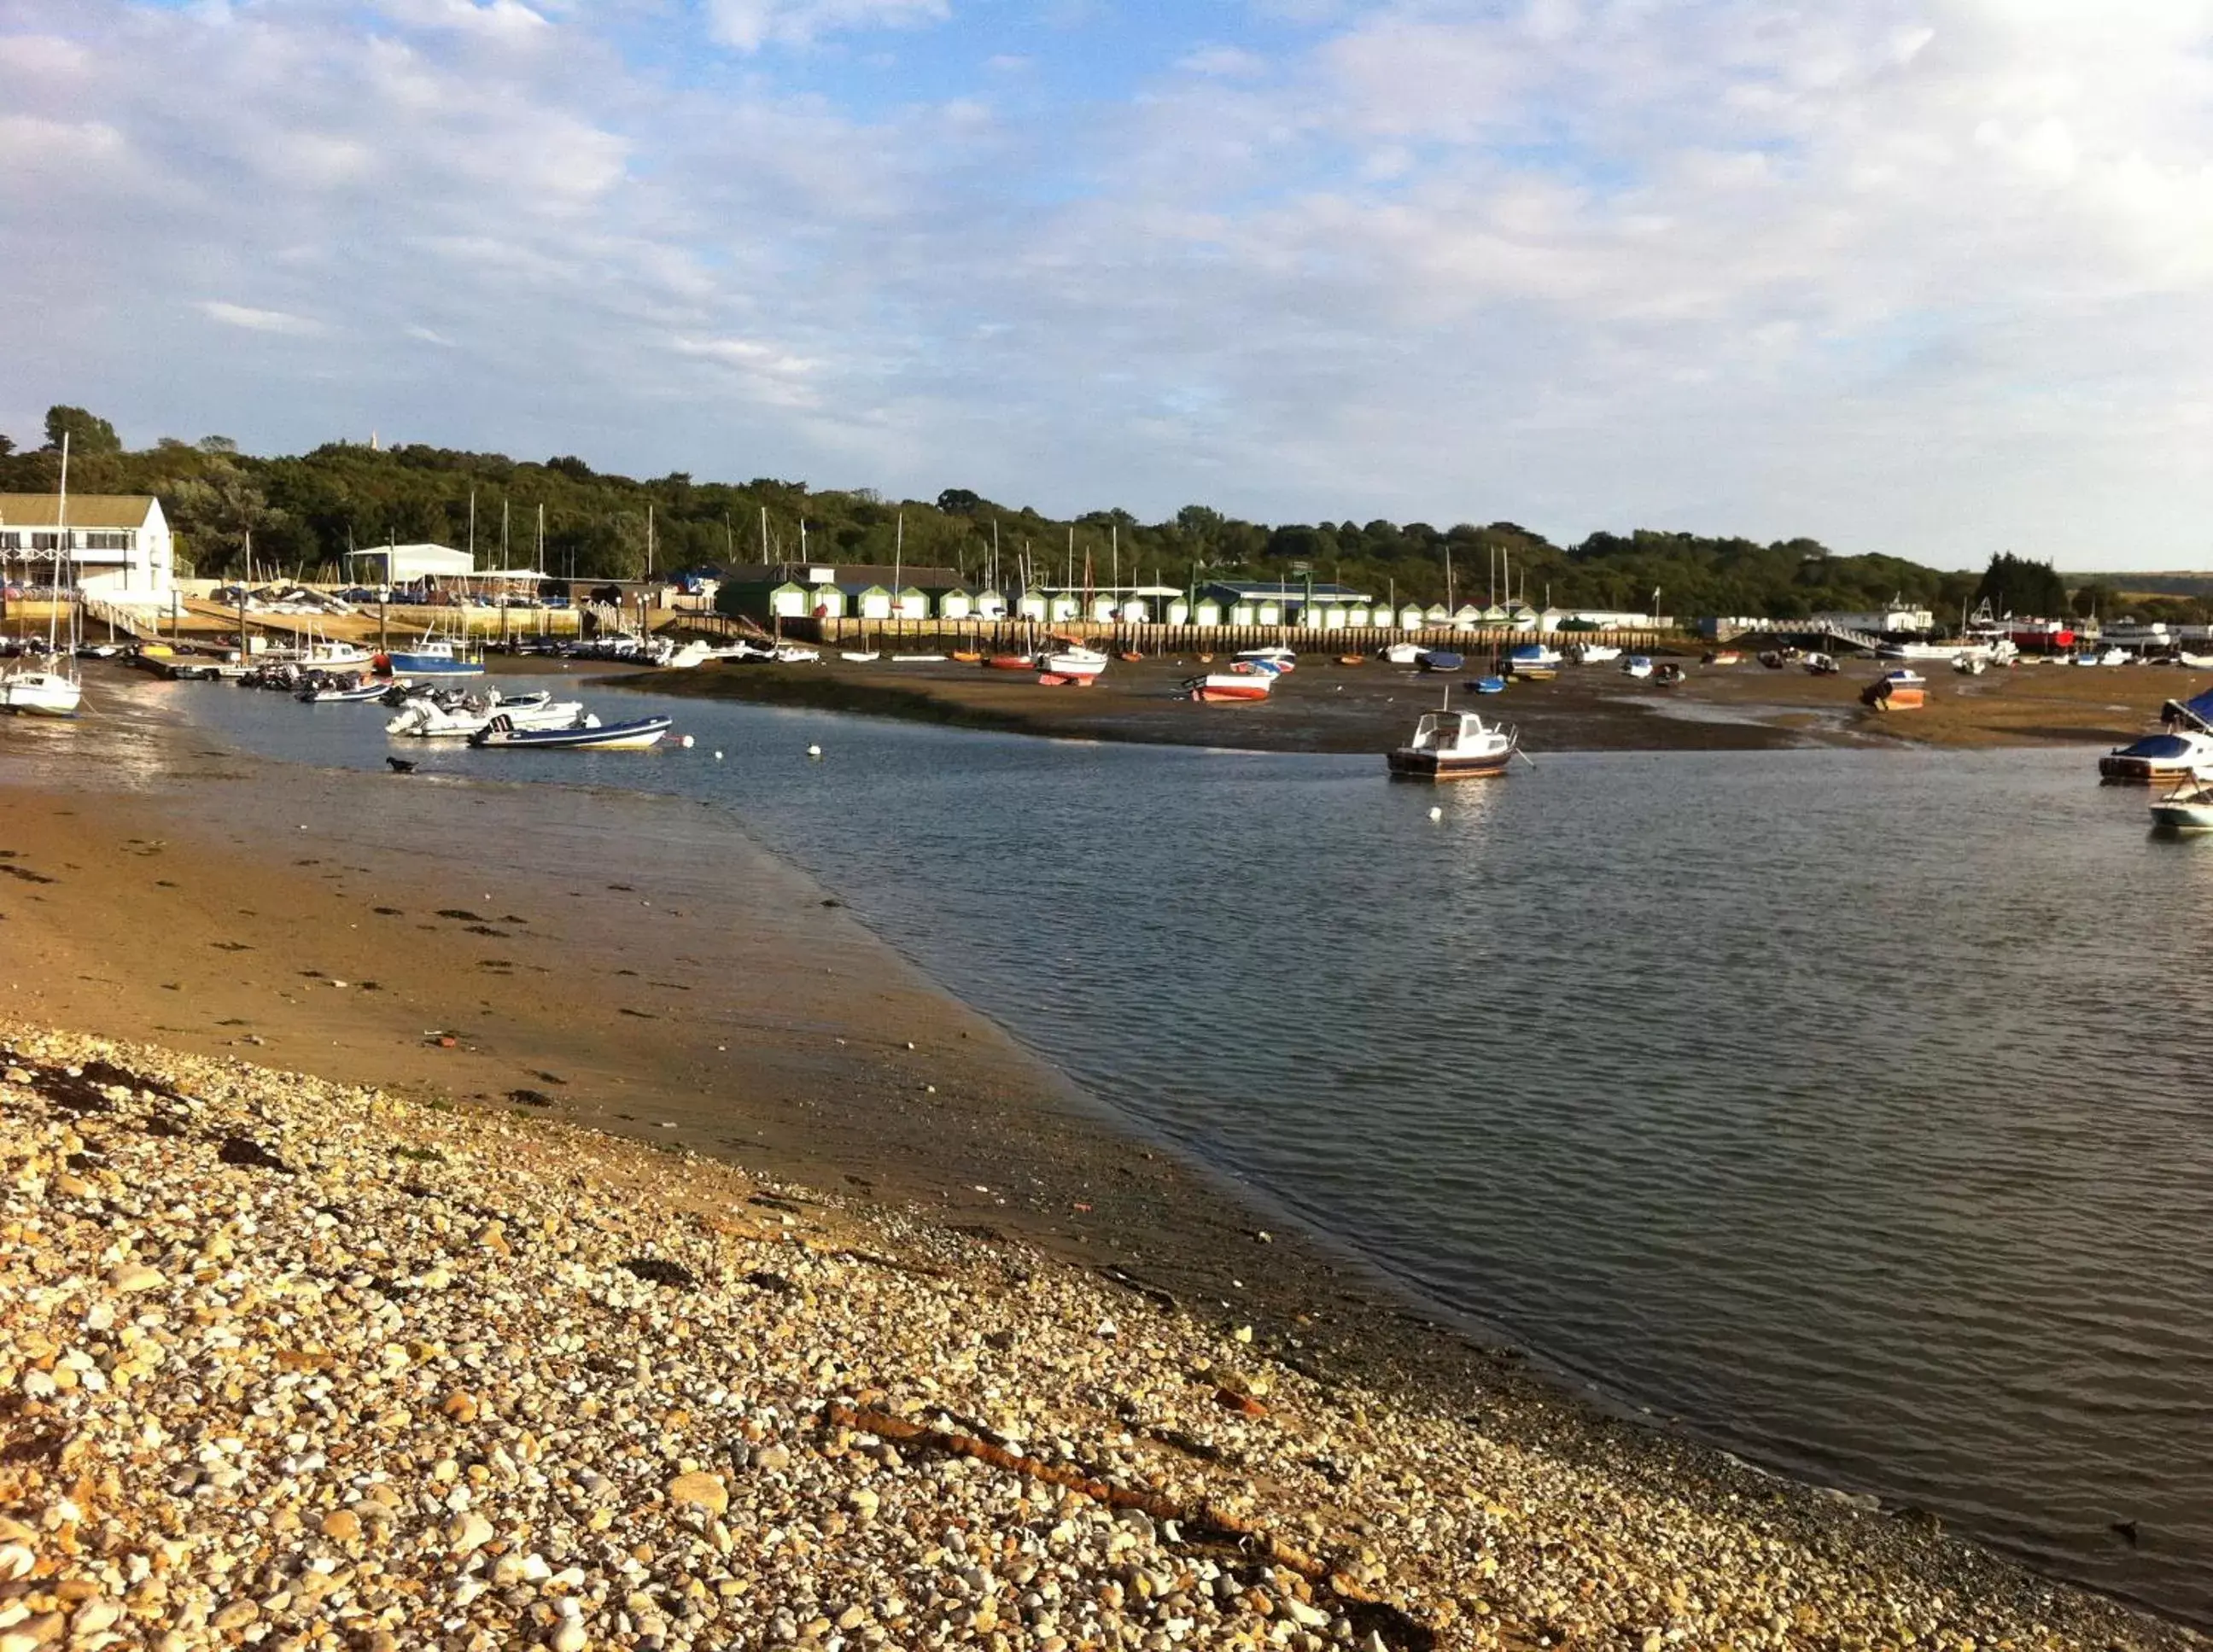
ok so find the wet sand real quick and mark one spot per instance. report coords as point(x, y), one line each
point(1325, 706)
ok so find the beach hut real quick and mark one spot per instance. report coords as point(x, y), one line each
point(1208, 613)
point(990, 605)
point(1031, 605)
point(1242, 613)
point(956, 604)
point(1336, 616)
point(1410, 616)
point(1062, 607)
point(910, 603)
point(1267, 613)
point(1135, 611)
point(1467, 617)
point(827, 601)
point(869, 601)
point(787, 600)
point(1437, 614)
point(1102, 609)
point(1178, 612)
point(1497, 615)
point(1360, 616)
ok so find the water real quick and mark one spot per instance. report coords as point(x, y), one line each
point(1850, 1105)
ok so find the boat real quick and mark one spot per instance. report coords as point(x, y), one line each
point(1440, 660)
point(342, 691)
point(1353, 659)
point(861, 658)
point(916, 659)
point(1593, 654)
point(1010, 662)
point(2172, 755)
point(2188, 808)
point(1400, 654)
point(31, 690)
point(35, 691)
point(1282, 659)
point(434, 657)
point(1071, 664)
point(1450, 745)
point(1722, 657)
point(1639, 666)
point(966, 657)
point(1489, 684)
point(1667, 675)
point(589, 735)
point(1822, 665)
point(425, 718)
point(688, 657)
point(1969, 665)
point(1229, 685)
point(1129, 657)
point(1896, 691)
point(792, 654)
point(1533, 660)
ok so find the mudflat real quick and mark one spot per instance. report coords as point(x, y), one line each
point(1328, 706)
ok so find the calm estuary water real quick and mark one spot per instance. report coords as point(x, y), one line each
point(1852, 1106)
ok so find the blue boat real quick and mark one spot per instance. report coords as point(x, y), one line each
point(591, 734)
point(1491, 684)
point(1442, 660)
point(435, 656)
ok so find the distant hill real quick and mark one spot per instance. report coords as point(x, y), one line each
point(305, 512)
point(2199, 586)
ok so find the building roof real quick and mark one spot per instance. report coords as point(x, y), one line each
point(437, 558)
point(1288, 590)
point(85, 509)
point(843, 573)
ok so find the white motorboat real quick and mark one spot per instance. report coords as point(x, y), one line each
point(1281, 661)
point(792, 654)
point(1401, 654)
point(425, 719)
point(1076, 664)
point(1450, 745)
point(1593, 654)
point(1639, 666)
point(2174, 753)
point(861, 658)
point(1969, 665)
point(37, 692)
point(589, 734)
point(2188, 808)
point(690, 655)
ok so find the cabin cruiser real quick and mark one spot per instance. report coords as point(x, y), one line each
point(425, 718)
point(1639, 666)
point(2171, 755)
point(1450, 745)
point(1593, 654)
point(2188, 808)
point(1401, 654)
point(1533, 660)
point(435, 656)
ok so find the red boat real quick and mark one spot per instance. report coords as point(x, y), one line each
point(2043, 636)
point(1230, 685)
point(1010, 662)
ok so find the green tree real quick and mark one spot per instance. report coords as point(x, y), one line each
point(959, 502)
point(7, 446)
point(87, 432)
point(2013, 584)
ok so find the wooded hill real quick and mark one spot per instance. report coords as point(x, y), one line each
point(305, 512)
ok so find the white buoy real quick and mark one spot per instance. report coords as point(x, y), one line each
point(1436, 815)
point(811, 751)
point(718, 757)
point(686, 742)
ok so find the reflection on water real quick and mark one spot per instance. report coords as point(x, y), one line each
point(1845, 1104)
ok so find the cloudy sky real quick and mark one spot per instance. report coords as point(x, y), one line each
point(1929, 277)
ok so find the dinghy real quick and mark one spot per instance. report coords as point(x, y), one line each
point(589, 735)
point(2188, 808)
point(1440, 660)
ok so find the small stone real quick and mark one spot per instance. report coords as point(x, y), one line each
point(460, 1405)
point(704, 1491)
point(236, 1615)
point(863, 1502)
point(568, 1636)
point(34, 1632)
point(341, 1524)
point(467, 1533)
point(136, 1276)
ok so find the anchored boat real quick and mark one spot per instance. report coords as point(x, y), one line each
point(1449, 744)
point(591, 734)
point(1896, 691)
point(1230, 685)
point(2188, 808)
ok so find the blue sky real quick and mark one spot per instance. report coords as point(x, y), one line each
point(1926, 276)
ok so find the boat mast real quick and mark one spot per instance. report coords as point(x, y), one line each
point(61, 544)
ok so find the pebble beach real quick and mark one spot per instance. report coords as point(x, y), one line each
point(293, 1364)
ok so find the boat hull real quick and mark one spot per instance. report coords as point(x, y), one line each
point(432, 665)
point(611, 737)
point(1225, 687)
point(1428, 766)
point(2182, 817)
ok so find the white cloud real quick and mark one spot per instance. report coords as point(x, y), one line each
point(749, 25)
point(255, 321)
point(1227, 62)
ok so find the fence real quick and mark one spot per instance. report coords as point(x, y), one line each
point(1027, 636)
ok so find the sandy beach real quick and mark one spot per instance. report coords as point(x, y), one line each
point(964, 1362)
point(1328, 706)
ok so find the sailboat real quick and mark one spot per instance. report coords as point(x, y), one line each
point(51, 690)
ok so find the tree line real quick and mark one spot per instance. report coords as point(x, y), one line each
point(300, 516)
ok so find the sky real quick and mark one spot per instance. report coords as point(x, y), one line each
point(1928, 277)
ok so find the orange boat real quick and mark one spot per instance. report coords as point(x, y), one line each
point(967, 659)
point(1353, 659)
point(1129, 655)
point(1011, 662)
point(1896, 691)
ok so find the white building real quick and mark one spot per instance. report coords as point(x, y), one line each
point(115, 545)
point(1884, 621)
point(406, 565)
